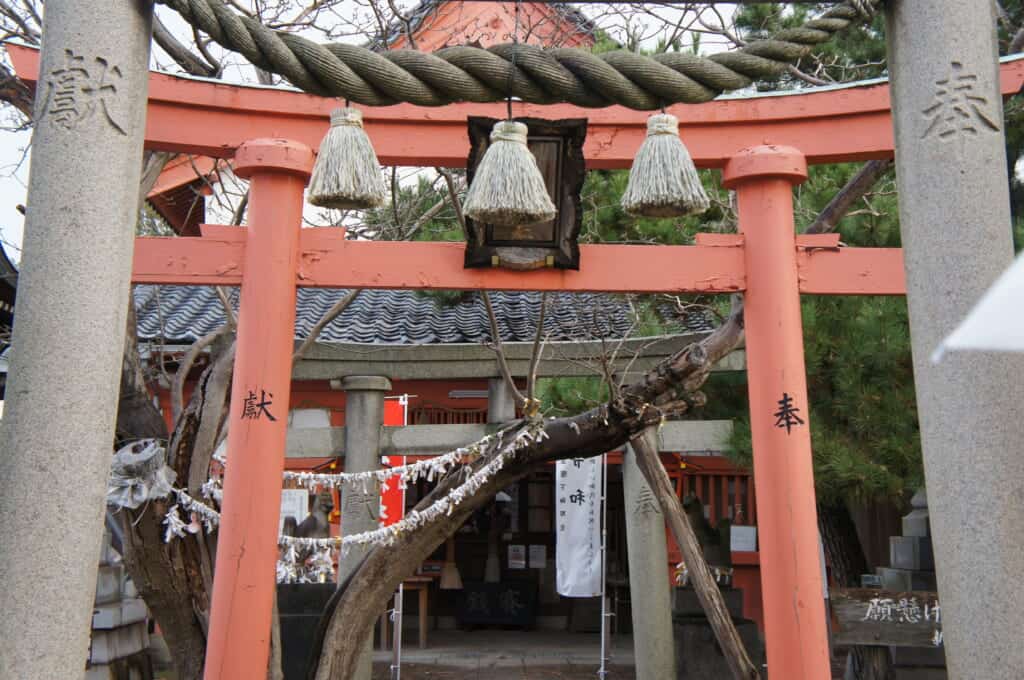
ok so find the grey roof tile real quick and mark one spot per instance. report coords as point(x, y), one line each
point(186, 313)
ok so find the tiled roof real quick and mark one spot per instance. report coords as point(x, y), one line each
point(186, 313)
point(417, 15)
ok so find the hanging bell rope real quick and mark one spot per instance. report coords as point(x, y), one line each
point(663, 181)
point(508, 188)
point(346, 175)
point(539, 76)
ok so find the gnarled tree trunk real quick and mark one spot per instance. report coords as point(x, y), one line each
point(173, 578)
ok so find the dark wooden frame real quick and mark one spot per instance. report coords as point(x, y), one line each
point(482, 250)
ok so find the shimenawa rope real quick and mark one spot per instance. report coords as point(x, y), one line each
point(540, 76)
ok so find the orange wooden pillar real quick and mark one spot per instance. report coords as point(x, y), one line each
point(794, 609)
point(243, 583)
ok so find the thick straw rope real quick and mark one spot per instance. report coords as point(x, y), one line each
point(539, 76)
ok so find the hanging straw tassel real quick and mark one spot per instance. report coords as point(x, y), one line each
point(346, 175)
point(663, 181)
point(508, 188)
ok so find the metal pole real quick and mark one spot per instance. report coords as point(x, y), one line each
point(243, 582)
point(794, 612)
point(73, 292)
point(603, 670)
point(396, 626)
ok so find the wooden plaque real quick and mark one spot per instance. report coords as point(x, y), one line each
point(865, 616)
point(558, 147)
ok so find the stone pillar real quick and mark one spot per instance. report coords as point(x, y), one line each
point(73, 292)
point(955, 222)
point(364, 420)
point(649, 587)
point(501, 402)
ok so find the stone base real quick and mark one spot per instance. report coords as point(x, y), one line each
point(685, 602)
point(907, 579)
point(911, 552)
point(934, 657)
point(916, 523)
point(135, 667)
point(918, 674)
point(698, 656)
point(299, 608)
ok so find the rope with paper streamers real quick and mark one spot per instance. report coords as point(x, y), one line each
point(531, 74)
point(430, 469)
point(296, 548)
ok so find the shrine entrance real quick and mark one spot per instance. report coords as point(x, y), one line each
point(762, 146)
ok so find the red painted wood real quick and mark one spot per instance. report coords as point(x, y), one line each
point(329, 261)
point(244, 583)
point(202, 117)
point(796, 632)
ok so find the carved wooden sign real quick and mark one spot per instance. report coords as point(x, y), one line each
point(866, 616)
point(558, 147)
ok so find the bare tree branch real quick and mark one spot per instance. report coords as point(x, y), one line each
point(708, 594)
point(177, 51)
point(499, 353)
point(185, 366)
point(538, 349)
point(853, 191)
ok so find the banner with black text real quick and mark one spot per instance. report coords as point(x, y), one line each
point(578, 513)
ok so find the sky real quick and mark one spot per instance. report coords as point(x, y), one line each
point(14, 146)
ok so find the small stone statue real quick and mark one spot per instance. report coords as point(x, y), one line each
point(715, 542)
point(317, 522)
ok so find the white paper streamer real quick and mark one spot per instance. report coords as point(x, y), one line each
point(305, 560)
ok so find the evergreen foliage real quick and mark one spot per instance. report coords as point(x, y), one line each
point(860, 379)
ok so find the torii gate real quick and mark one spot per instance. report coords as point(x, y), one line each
point(763, 145)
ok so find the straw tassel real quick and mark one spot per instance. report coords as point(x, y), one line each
point(508, 188)
point(663, 181)
point(347, 175)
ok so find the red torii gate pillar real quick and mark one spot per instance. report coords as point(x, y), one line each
point(244, 580)
point(796, 634)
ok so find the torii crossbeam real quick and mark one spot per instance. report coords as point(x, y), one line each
point(763, 145)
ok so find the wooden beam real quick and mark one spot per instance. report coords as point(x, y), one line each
point(833, 124)
point(327, 260)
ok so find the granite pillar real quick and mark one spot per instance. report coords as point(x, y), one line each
point(364, 419)
point(73, 289)
point(955, 222)
point(649, 588)
point(501, 402)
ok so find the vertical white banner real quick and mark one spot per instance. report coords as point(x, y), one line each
point(578, 512)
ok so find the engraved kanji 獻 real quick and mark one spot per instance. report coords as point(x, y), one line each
point(77, 89)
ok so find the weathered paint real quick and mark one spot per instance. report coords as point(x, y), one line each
point(327, 260)
point(244, 582)
point(794, 610)
point(220, 117)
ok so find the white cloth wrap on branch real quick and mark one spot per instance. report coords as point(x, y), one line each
point(138, 473)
